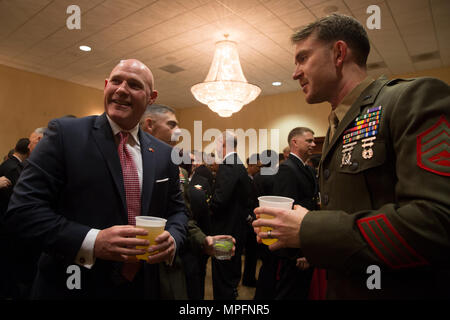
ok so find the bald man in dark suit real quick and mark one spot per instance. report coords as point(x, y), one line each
point(85, 182)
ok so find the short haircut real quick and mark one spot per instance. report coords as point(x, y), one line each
point(338, 27)
point(298, 131)
point(157, 109)
point(22, 146)
point(40, 130)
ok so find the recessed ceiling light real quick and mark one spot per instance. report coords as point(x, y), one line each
point(276, 83)
point(85, 48)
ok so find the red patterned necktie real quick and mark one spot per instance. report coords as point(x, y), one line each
point(132, 195)
point(130, 180)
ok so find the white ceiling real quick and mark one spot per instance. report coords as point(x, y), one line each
point(414, 36)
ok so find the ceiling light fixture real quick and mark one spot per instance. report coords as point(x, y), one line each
point(276, 83)
point(85, 48)
point(225, 89)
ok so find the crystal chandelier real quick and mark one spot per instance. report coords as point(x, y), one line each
point(225, 89)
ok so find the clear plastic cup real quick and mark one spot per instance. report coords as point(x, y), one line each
point(155, 226)
point(273, 202)
point(223, 248)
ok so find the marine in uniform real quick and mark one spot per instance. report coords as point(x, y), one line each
point(384, 173)
point(384, 181)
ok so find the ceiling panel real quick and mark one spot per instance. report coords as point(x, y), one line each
point(388, 41)
point(283, 7)
point(358, 4)
point(325, 8)
point(17, 13)
point(192, 4)
point(237, 6)
point(42, 25)
point(415, 24)
point(441, 12)
point(310, 3)
point(296, 19)
point(33, 36)
point(212, 11)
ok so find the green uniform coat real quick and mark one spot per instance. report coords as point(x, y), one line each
point(391, 209)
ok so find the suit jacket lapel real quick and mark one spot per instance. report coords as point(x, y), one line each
point(303, 168)
point(104, 139)
point(148, 151)
point(367, 97)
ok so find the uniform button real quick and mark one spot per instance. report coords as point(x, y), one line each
point(325, 199)
point(326, 174)
point(354, 166)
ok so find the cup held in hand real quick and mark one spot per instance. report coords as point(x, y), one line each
point(223, 248)
point(154, 226)
point(273, 202)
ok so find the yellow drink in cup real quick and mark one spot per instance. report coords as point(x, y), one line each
point(273, 202)
point(265, 229)
point(155, 226)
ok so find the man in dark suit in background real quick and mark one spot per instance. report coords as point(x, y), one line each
point(85, 182)
point(10, 171)
point(296, 180)
point(231, 205)
point(23, 267)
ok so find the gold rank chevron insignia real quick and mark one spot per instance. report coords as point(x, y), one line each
point(433, 148)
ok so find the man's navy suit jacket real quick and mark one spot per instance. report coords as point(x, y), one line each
point(73, 183)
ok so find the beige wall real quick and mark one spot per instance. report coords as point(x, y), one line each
point(29, 101)
point(283, 112)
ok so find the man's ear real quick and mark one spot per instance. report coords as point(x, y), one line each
point(340, 52)
point(153, 96)
point(106, 82)
point(148, 125)
point(294, 143)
